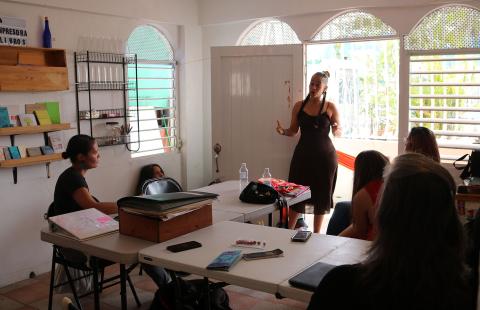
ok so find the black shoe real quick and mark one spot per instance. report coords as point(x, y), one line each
point(301, 223)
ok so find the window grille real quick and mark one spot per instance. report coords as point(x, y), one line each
point(450, 27)
point(270, 32)
point(445, 97)
point(354, 24)
point(156, 92)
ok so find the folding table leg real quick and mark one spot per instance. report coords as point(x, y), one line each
point(52, 280)
point(96, 293)
point(123, 286)
point(206, 284)
point(134, 292)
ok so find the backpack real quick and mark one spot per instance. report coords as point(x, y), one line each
point(472, 169)
point(256, 192)
point(192, 296)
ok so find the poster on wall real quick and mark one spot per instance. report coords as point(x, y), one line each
point(13, 31)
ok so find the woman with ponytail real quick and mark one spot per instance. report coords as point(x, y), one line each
point(71, 191)
point(314, 162)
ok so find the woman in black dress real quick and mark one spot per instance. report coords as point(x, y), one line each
point(314, 162)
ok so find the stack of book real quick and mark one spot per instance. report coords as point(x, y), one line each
point(167, 205)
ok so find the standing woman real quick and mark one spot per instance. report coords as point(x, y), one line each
point(314, 162)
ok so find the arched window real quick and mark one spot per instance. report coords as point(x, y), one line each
point(363, 74)
point(156, 92)
point(354, 24)
point(269, 32)
point(445, 77)
point(446, 28)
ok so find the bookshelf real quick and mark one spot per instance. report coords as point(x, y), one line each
point(32, 69)
point(29, 161)
point(9, 131)
point(34, 160)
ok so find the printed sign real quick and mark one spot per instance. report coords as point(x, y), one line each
point(13, 31)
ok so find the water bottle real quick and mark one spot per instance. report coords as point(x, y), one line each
point(267, 177)
point(243, 176)
point(47, 36)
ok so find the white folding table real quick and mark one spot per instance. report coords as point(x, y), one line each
point(228, 200)
point(263, 275)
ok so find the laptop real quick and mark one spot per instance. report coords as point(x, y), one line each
point(311, 277)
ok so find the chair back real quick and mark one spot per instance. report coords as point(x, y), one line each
point(160, 186)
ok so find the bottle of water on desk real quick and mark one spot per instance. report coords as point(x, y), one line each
point(243, 176)
point(267, 177)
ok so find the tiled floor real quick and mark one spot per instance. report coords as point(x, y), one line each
point(33, 294)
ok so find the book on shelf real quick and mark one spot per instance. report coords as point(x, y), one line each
point(6, 153)
point(29, 108)
point(2, 156)
point(13, 112)
point(14, 152)
point(167, 201)
point(34, 151)
point(56, 140)
point(42, 117)
point(53, 110)
point(23, 151)
point(4, 118)
point(27, 119)
point(46, 149)
point(84, 224)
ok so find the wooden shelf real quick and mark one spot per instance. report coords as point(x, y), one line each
point(32, 69)
point(28, 161)
point(9, 131)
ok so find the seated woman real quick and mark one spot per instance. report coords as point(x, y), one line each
point(417, 260)
point(367, 180)
point(422, 140)
point(148, 172)
point(72, 192)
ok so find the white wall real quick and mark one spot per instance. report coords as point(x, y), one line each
point(224, 21)
point(23, 204)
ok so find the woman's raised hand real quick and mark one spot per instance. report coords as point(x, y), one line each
point(279, 128)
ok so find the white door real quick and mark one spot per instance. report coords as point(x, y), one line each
point(252, 87)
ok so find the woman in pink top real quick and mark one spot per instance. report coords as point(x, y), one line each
point(367, 181)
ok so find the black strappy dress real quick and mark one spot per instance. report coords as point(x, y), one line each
point(314, 162)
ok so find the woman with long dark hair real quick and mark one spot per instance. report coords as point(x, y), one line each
point(71, 191)
point(367, 181)
point(417, 259)
point(314, 161)
point(422, 140)
point(148, 172)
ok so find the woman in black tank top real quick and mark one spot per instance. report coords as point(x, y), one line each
point(314, 162)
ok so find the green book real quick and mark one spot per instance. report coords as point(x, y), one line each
point(53, 110)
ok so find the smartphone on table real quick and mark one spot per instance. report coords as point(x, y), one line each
point(184, 246)
point(301, 236)
point(261, 255)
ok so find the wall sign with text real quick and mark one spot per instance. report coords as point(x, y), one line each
point(13, 31)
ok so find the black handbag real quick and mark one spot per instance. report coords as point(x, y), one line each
point(256, 192)
point(472, 169)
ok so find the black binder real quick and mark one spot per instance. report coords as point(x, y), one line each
point(165, 201)
point(311, 277)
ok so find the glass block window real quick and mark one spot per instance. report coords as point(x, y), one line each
point(155, 74)
point(269, 32)
point(445, 97)
point(354, 24)
point(450, 27)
